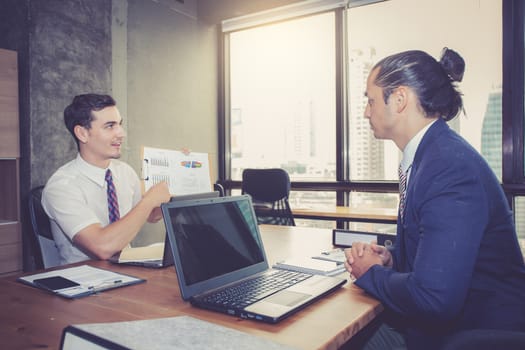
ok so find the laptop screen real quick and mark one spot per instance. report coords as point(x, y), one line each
point(213, 239)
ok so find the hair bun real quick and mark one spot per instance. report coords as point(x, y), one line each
point(453, 64)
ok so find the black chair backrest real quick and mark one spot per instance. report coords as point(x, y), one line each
point(269, 189)
point(42, 238)
point(267, 185)
point(39, 218)
point(220, 188)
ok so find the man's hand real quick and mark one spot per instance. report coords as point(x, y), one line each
point(155, 215)
point(157, 195)
point(362, 256)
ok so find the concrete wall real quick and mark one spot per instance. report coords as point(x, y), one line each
point(70, 46)
point(171, 80)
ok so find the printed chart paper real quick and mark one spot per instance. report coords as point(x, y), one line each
point(184, 173)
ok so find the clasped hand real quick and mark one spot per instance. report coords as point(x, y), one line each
point(362, 256)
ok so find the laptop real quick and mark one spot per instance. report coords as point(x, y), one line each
point(218, 251)
point(159, 254)
point(184, 197)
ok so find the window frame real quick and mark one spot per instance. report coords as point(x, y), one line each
point(513, 97)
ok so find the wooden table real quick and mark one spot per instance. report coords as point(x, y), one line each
point(31, 318)
point(340, 213)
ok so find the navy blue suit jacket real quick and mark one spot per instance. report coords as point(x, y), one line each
point(457, 262)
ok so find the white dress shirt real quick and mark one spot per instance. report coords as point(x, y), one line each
point(75, 197)
point(410, 151)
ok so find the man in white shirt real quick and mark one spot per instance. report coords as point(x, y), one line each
point(76, 197)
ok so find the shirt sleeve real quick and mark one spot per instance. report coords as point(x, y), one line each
point(66, 205)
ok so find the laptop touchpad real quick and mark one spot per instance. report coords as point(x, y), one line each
point(287, 298)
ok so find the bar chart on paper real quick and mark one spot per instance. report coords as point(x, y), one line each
point(185, 173)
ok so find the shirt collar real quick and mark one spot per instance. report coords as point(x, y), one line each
point(410, 149)
point(94, 173)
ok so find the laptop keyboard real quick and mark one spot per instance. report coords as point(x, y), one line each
point(255, 289)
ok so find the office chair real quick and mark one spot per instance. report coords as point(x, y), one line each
point(269, 189)
point(485, 339)
point(218, 187)
point(45, 251)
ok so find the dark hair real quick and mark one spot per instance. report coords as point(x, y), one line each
point(79, 111)
point(434, 82)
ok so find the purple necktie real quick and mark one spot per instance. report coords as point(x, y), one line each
point(113, 211)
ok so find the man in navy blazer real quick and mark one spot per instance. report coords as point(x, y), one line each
point(456, 264)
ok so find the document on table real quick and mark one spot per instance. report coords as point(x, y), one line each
point(79, 281)
point(184, 173)
point(310, 265)
point(336, 255)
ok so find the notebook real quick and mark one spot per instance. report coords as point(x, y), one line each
point(156, 255)
point(216, 245)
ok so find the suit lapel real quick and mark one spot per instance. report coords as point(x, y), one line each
point(427, 141)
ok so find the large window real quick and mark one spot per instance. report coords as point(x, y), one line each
point(282, 96)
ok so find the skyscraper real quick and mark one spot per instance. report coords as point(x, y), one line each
point(491, 132)
point(367, 153)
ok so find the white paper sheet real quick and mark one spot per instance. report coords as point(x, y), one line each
point(184, 173)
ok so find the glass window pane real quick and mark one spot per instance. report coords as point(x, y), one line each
point(282, 88)
point(460, 22)
point(374, 200)
point(519, 220)
point(308, 199)
point(315, 223)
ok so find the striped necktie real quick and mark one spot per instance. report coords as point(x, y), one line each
point(402, 190)
point(113, 211)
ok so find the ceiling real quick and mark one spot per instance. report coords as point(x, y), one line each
point(214, 11)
